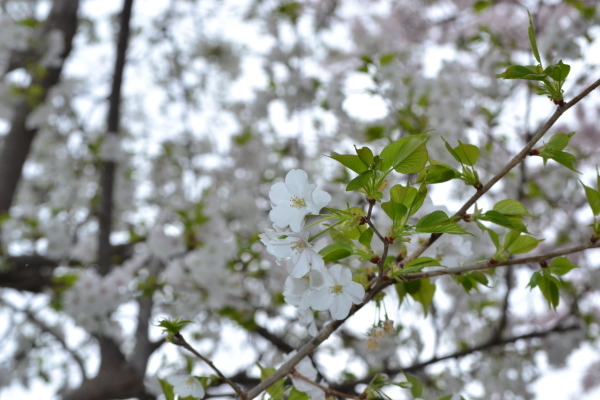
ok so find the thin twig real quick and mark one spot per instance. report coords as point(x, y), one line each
point(385, 242)
point(180, 341)
point(323, 388)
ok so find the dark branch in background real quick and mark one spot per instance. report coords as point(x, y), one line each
point(18, 141)
point(108, 172)
point(45, 328)
point(33, 273)
point(508, 278)
point(349, 386)
point(274, 339)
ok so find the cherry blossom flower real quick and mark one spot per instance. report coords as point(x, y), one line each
point(186, 385)
point(294, 199)
point(299, 290)
point(338, 294)
point(306, 369)
point(294, 245)
point(306, 317)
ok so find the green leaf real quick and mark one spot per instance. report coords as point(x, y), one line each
point(502, 220)
point(559, 141)
point(523, 244)
point(167, 389)
point(479, 277)
point(416, 389)
point(549, 288)
point(297, 395)
point(403, 194)
point(277, 389)
point(593, 198)
point(437, 173)
point(561, 157)
point(438, 222)
point(374, 132)
point(417, 265)
point(351, 161)
point(406, 155)
point(335, 252)
point(481, 5)
point(386, 58)
point(534, 280)
point(558, 72)
point(425, 294)
point(360, 181)
point(511, 207)
point(528, 72)
point(532, 40)
point(418, 200)
point(493, 235)
point(394, 210)
point(339, 237)
point(365, 154)
point(468, 154)
point(366, 237)
point(561, 265)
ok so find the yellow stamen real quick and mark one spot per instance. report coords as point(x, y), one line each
point(335, 289)
point(297, 202)
point(298, 246)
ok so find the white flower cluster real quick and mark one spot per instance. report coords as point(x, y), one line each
point(310, 286)
point(93, 299)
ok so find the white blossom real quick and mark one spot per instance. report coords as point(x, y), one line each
point(294, 245)
point(186, 385)
point(294, 199)
point(338, 294)
point(306, 317)
point(298, 291)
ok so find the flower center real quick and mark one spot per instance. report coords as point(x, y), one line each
point(297, 202)
point(298, 246)
point(306, 280)
point(335, 289)
point(190, 381)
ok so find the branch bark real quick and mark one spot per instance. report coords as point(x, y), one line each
point(18, 141)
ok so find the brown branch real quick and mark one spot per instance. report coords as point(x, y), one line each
point(17, 143)
point(386, 243)
point(487, 264)
point(180, 341)
point(108, 172)
point(323, 388)
point(347, 386)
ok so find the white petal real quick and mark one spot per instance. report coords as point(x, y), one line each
point(295, 181)
point(317, 280)
point(345, 276)
point(279, 194)
point(336, 273)
point(341, 306)
point(321, 299)
point(281, 215)
point(355, 291)
point(320, 198)
point(296, 218)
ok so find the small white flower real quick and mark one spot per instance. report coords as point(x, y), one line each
point(299, 290)
point(294, 199)
point(294, 245)
point(186, 385)
point(306, 317)
point(338, 294)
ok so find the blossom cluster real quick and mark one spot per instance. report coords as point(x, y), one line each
point(311, 286)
